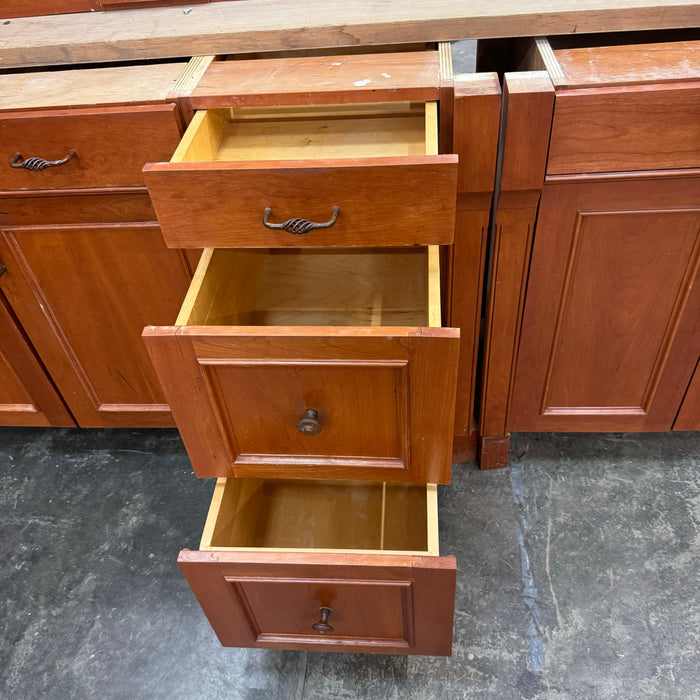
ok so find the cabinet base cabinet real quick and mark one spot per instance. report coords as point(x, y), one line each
point(324, 566)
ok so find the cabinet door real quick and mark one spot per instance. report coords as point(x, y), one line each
point(27, 396)
point(611, 331)
point(83, 294)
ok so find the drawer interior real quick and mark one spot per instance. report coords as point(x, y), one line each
point(315, 287)
point(286, 514)
point(300, 133)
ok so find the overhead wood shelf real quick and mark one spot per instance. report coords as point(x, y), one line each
point(275, 25)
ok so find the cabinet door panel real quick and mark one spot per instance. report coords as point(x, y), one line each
point(27, 396)
point(610, 335)
point(83, 294)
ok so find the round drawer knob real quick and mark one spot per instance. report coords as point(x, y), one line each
point(310, 424)
point(322, 626)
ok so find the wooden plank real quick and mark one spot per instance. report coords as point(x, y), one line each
point(319, 80)
point(119, 85)
point(237, 27)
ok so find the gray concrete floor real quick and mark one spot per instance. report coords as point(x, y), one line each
point(577, 577)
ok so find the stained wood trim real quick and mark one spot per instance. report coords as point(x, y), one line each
point(284, 24)
point(526, 115)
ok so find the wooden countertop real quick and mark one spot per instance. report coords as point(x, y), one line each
point(273, 25)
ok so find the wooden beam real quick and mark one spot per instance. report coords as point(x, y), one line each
point(273, 25)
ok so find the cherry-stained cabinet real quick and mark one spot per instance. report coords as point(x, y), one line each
point(85, 263)
point(594, 321)
point(610, 333)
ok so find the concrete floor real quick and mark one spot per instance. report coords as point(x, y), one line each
point(577, 577)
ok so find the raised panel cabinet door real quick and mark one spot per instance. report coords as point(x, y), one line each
point(27, 396)
point(83, 294)
point(388, 604)
point(382, 399)
point(611, 330)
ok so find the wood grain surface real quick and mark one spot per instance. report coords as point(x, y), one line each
point(379, 603)
point(111, 145)
point(113, 85)
point(610, 334)
point(383, 201)
point(332, 370)
point(82, 293)
point(626, 64)
point(528, 101)
point(238, 27)
point(645, 127)
point(320, 80)
point(477, 107)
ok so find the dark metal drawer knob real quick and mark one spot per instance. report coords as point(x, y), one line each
point(310, 424)
point(322, 626)
point(34, 163)
point(298, 226)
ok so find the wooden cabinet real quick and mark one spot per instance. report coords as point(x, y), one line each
point(602, 301)
point(86, 265)
point(312, 368)
point(610, 333)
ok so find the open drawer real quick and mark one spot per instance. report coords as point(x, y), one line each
point(327, 566)
point(369, 175)
point(310, 363)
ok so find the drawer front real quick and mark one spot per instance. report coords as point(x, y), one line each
point(381, 202)
point(382, 400)
point(108, 145)
point(647, 127)
point(326, 602)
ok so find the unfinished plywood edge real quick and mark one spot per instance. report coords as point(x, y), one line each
point(446, 72)
point(434, 312)
point(190, 77)
point(213, 514)
point(195, 287)
point(241, 27)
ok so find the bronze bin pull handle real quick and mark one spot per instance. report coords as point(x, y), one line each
point(322, 626)
point(297, 225)
point(35, 163)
